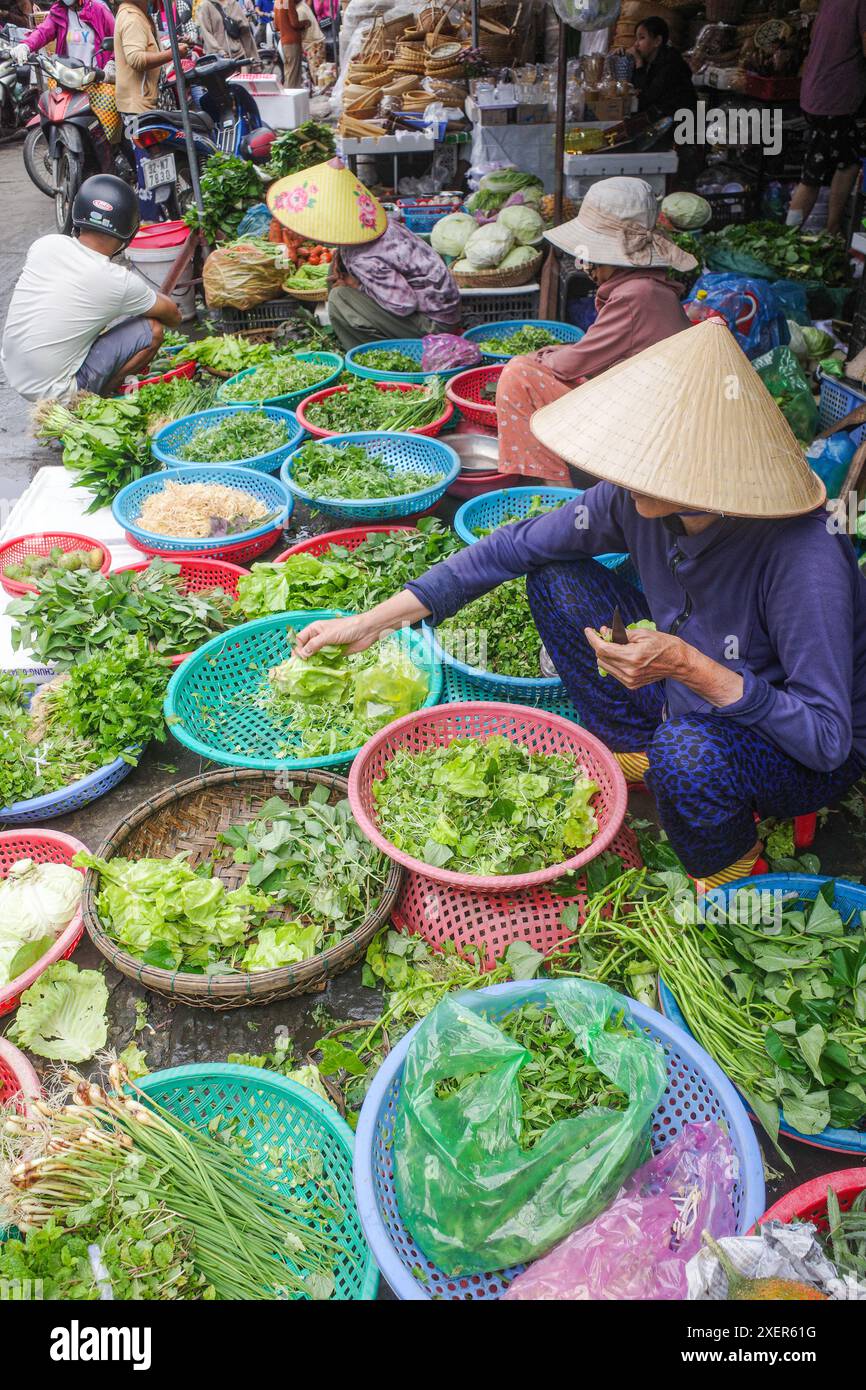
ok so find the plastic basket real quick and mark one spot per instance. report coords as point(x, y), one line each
point(44, 847)
point(67, 799)
point(536, 730)
point(167, 442)
point(42, 543)
point(697, 1091)
point(838, 399)
point(464, 683)
point(187, 369)
point(267, 315)
point(272, 1113)
point(212, 697)
point(489, 306)
point(563, 332)
point(492, 508)
point(412, 347)
point(332, 366)
point(848, 898)
point(196, 576)
point(809, 1202)
point(127, 505)
point(238, 553)
point(422, 219)
point(349, 539)
point(318, 433)
point(399, 453)
point(18, 1080)
point(466, 393)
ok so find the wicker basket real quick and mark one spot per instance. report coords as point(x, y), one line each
point(310, 296)
point(189, 816)
point(500, 279)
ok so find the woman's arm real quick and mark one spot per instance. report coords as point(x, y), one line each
point(360, 632)
point(41, 35)
point(658, 656)
point(604, 343)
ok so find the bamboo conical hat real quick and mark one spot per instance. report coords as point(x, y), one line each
point(688, 421)
point(327, 203)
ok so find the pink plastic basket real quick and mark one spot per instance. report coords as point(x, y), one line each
point(350, 539)
point(42, 543)
point(537, 730)
point(236, 552)
point(809, 1201)
point(464, 391)
point(45, 847)
point(18, 1080)
point(318, 433)
point(197, 575)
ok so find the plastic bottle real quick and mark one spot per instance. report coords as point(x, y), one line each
point(698, 309)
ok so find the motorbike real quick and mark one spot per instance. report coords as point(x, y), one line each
point(17, 95)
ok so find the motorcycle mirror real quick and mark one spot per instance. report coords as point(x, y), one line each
point(107, 45)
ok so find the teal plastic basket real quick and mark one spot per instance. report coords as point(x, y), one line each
point(332, 366)
point(562, 332)
point(398, 453)
point(491, 509)
point(464, 682)
point(211, 699)
point(412, 347)
point(167, 442)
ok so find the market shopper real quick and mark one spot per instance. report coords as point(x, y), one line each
point(57, 338)
point(299, 35)
point(138, 58)
point(662, 76)
point(225, 29)
point(832, 92)
point(751, 694)
point(76, 28)
point(613, 237)
point(385, 281)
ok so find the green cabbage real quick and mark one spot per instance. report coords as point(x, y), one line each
point(686, 211)
point(451, 233)
point(525, 223)
point(521, 255)
point(488, 246)
point(322, 677)
point(63, 1015)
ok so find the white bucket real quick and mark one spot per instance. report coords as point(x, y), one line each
point(153, 265)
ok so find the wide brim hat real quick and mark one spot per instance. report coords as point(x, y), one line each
point(327, 204)
point(687, 421)
point(616, 226)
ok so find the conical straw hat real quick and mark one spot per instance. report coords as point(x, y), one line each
point(327, 203)
point(687, 421)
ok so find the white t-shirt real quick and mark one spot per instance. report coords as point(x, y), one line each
point(65, 297)
point(80, 39)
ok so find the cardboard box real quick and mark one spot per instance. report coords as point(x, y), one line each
point(495, 115)
point(532, 113)
point(612, 108)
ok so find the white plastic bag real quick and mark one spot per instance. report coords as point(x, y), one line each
point(588, 14)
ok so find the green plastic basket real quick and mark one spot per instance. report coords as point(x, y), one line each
point(210, 702)
point(275, 1113)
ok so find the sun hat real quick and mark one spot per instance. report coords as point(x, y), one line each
point(616, 226)
point(688, 421)
point(327, 203)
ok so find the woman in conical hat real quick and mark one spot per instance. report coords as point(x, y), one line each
point(614, 238)
point(385, 282)
point(749, 692)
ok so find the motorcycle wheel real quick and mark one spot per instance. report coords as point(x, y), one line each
point(67, 182)
point(37, 161)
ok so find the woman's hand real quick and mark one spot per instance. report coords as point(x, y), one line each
point(649, 656)
point(352, 633)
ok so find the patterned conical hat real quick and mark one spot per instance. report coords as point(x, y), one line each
point(327, 204)
point(687, 421)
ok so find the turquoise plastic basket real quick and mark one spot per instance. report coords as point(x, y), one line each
point(412, 347)
point(211, 704)
point(332, 366)
point(398, 452)
point(491, 509)
point(563, 332)
point(464, 682)
point(848, 898)
point(167, 442)
point(127, 505)
point(697, 1090)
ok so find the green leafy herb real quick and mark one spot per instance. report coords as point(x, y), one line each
point(787, 252)
point(278, 377)
point(113, 701)
point(536, 508)
point(362, 405)
point(328, 471)
point(496, 632)
point(387, 360)
point(293, 150)
point(229, 187)
point(526, 339)
point(242, 435)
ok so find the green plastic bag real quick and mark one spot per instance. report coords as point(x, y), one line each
point(786, 381)
point(471, 1197)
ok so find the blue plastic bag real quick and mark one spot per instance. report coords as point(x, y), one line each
point(831, 459)
point(750, 309)
point(256, 222)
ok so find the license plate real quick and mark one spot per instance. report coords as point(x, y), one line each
point(159, 171)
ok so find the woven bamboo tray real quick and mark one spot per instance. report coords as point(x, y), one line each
point(500, 279)
point(309, 296)
point(189, 816)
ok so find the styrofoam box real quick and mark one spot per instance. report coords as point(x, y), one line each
point(282, 108)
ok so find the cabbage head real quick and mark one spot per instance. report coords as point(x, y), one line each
point(521, 255)
point(450, 234)
point(488, 246)
point(686, 211)
point(524, 222)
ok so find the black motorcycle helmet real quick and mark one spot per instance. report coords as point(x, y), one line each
point(106, 204)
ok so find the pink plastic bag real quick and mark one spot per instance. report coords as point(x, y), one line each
point(640, 1246)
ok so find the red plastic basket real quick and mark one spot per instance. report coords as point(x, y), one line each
point(18, 1080)
point(197, 575)
point(235, 552)
point(318, 433)
point(809, 1202)
point(42, 543)
point(464, 391)
point(537, 730)
point(187, 370)
point(45, 847)
point(350, 539)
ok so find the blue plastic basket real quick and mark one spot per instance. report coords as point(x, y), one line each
point(168, 441)
point(563, 332)
point(464, 682)
point(399, 452)
point(128, 503)
point(332, 366)
point(838, 399)
point(212, 697)
point(697, 1090)
point(422, 219)
point(848, 898)
point(66, 799)
point(413, 347)
point(491, 509)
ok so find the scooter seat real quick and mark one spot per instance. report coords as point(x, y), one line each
point(198, 120)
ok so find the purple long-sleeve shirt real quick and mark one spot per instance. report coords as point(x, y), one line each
point(404, 275)
point(781, 602)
